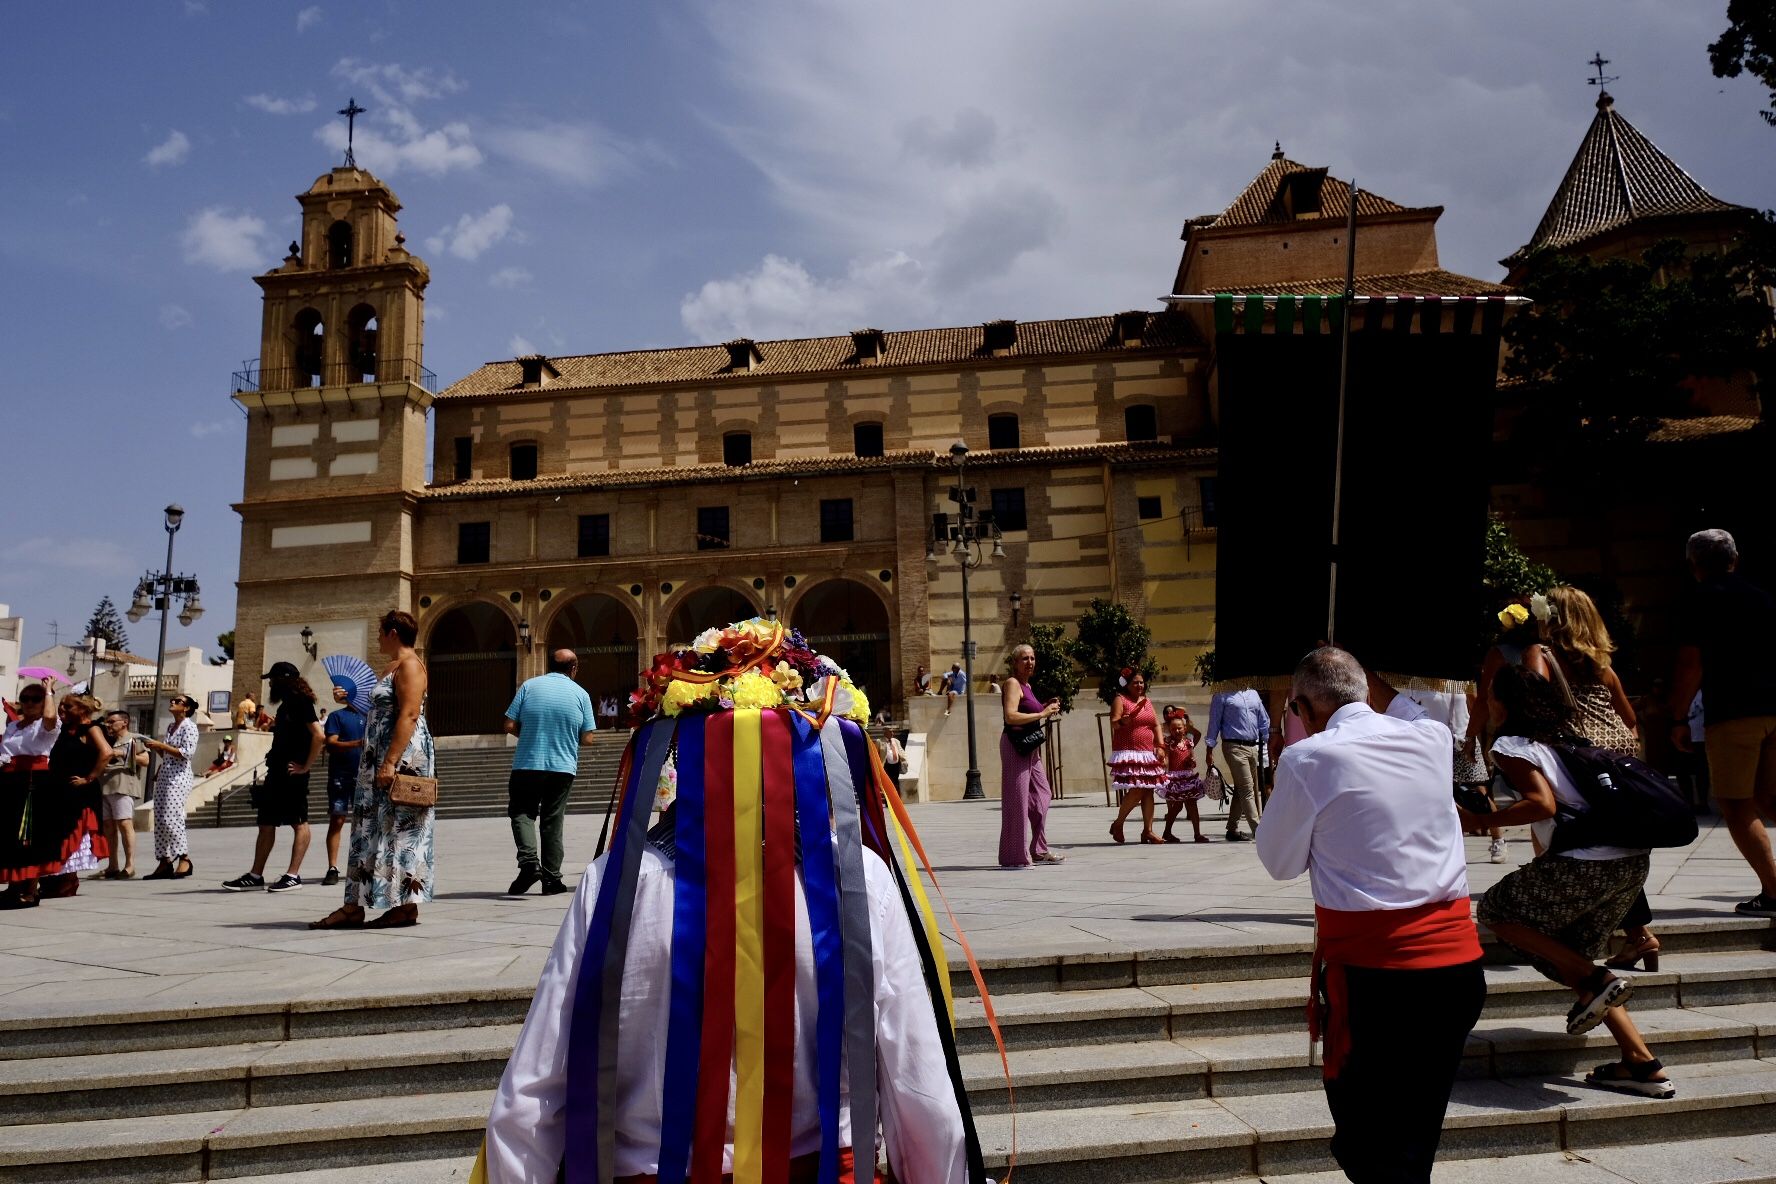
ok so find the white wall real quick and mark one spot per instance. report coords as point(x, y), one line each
point(283, 643)
point(12, 633)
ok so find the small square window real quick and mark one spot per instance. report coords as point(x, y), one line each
point(737, 448)
point(595, 535)
point(474, 541)
point(1002, 431)
point(1209, 513)
point(464, 448)
point(1148, 507)
point(712, 528)
point(523, 465)
point(1140, 422)
point(835, 520)
point(866, 439)
point(1008, 509)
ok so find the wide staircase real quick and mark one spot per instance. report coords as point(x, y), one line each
point(471, 784)
point(1186, 1064)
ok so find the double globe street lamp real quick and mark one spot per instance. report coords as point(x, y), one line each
point(965, 533)
point(156, 590)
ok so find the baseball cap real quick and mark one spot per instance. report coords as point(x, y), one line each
point(283, 670)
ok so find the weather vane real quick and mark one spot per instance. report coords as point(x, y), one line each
point(351, 111)
point(1598, 62)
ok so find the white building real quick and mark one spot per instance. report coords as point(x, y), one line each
point(12, 633)
point(127, 681)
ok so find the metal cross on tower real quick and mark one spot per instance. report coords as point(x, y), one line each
point(351, 111)
point(1598, 62)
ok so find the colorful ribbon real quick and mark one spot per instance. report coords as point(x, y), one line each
point(860, 964)
point(684, 1028)
point(749, 953)
point(820, 887)
point(718, 961)
point(780, 941)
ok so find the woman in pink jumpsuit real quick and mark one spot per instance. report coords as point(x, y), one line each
point(1023, 785)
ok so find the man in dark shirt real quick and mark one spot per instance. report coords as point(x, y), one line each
point(1729, 653)
point(282, 799)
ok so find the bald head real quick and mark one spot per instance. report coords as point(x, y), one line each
point(563, 662)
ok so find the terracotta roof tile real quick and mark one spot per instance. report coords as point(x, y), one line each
point(1433, 282)
point(817, 355)
point(1618, 177)
point(1701, 427)
point(1115, 453)
point(1286, 192)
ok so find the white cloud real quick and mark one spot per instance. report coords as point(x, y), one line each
point(308, 18)
point(510, 277)
point(968, 141)
point(172, 150)
point(520, 345)
point(474, 233)
point(195, 7)
point(213, 427)
point(227, 242)
point(390, 137)
point(780, 298)
point(579, 154)
point(174, 316)
point(278, 105)
point(27, 557)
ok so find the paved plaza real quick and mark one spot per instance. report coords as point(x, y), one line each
point(168, 944)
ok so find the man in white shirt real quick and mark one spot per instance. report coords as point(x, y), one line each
point(1363, 805)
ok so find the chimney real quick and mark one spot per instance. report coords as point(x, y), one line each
point(999, 337)
point(743, 353)
point(871, 345)
point(1129, 327)
point(535, 370)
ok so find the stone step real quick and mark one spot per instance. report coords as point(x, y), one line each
point(1726, 1159)
point(425, 1171)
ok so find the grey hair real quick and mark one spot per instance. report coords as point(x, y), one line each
point(1018, 649)
point(1713, 551)
point(1330, 677)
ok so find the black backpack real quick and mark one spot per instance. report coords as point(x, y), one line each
point(1631, 803)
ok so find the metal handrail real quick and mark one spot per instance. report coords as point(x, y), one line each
point(245, 783)
point(252, 377)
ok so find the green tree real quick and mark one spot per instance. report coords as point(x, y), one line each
point(107, 623)
point(1508, 572)
point(1205, 667)
point(1611, 347)
point(1748, 46)
point(1056, 676)
point(1110, 640)
point(225, 643)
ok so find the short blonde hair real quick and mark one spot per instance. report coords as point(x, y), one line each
point(1577, 631)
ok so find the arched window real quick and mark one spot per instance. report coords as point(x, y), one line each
point(523, 462)
point(307, 348)
point(737, 448)
point(1002, 431)
point(360, 342)
point(339, 245)
point(1140, 422)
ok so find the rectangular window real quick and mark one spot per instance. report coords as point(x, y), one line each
point(464, 446)
point(1002, 431)
point(835, 520)
point(524, 462)
point(866, 439)
point(595, 535)
point(712, 528)
point(474, 541)
point(1209, 514)
point(1008, 509)
point(737, 448)
point(1148, 507)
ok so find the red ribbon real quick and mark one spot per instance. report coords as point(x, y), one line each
point(780, 917)
point(718, 959)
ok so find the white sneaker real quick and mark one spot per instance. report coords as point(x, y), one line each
point(1497, 851)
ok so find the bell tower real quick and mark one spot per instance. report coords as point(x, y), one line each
point(336, 409)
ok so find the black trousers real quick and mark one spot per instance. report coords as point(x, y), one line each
point(1407, 1030)
point(536, 800)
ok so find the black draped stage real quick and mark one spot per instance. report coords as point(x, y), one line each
point(1418, 422)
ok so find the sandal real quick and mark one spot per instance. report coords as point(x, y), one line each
point(399, 917)
point(163, 872)
point(1646, 949)
point(1607, 991)
point(346, 916)
point(185, 869)
point(1050, 857)
point(1633, 1077)
point(1148, 836)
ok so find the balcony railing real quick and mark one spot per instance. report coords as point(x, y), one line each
point(253, 378)
point(143, 684)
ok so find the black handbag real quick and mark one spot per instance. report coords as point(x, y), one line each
point(1027, 738)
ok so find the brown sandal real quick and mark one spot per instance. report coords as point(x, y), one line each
point(399, 917)
point(346, 916)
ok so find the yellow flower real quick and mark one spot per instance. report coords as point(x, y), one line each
point(753, 691)
point(1512, 615)
point(680, 695)
point(785, 676)
point(859, 708)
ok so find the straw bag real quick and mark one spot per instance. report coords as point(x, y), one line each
point(413, 791)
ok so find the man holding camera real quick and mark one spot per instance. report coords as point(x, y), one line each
point(1363, 805)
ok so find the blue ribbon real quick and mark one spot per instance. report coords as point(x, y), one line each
point(690, 932)
point(860, 969)
point(820, 887)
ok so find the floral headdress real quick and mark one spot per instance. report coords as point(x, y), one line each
point(1125, 676)
point(1175, 712)
point(750, 665)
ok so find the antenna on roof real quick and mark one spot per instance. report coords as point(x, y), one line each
point(1598, 62)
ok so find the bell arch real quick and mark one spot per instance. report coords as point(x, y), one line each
point(339, 245)
point(848, 621)
point(471, 656)
point(361, 325)
point(603, 631)
point(308, 343)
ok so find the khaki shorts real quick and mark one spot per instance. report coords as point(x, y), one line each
point(119, 807)
point(1742, 757)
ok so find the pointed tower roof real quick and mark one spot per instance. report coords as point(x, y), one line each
point(1618, 177)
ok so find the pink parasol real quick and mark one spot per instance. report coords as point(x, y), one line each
point(42, 673)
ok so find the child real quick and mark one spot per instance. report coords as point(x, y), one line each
point(1183, 788)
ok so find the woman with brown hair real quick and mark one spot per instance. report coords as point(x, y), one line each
point(390, 862)
point(282, 799)
point(58, 835)
point(172, 785)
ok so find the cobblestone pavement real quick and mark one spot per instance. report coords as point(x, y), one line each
point(188, 940)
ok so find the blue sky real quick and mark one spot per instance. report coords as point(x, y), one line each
point(586, 177)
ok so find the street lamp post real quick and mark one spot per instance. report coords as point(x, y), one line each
point(964, 535)
point(156, 590)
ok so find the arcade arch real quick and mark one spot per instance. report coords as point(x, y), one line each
point(603, 632)
point(846, 620)
point(472, 662)
point(706, 608)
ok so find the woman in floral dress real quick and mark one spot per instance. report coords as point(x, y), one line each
point(390, 861)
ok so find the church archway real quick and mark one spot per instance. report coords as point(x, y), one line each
point(472, 664)
point(706, 608)
point(307, 348)
point(603, 632)
point(845, 620)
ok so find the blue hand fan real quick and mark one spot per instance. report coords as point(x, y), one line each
point(354, 676)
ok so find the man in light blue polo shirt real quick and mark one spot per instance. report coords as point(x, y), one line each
point(551, 716)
